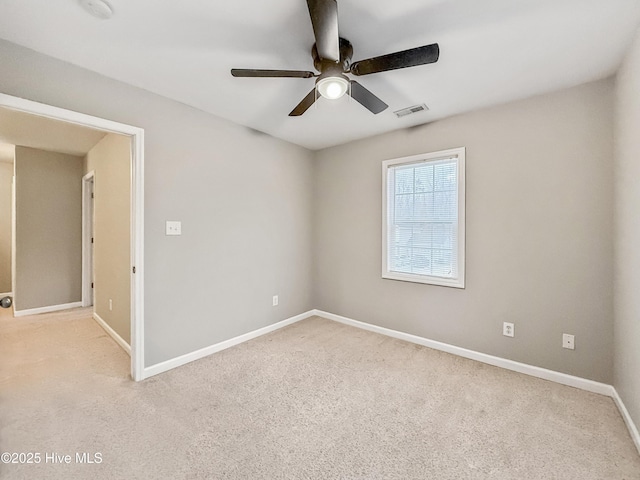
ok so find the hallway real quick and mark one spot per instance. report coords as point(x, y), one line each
point(58, 347)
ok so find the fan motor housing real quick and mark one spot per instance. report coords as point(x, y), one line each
point(346, 52)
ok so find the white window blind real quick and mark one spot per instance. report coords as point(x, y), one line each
point(423, 218)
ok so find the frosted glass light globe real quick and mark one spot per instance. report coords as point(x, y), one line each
point(332, 87)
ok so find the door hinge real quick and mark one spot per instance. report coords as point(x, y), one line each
point(92, 195)
point(91, 284)
point(91, 239)
point(134, 269)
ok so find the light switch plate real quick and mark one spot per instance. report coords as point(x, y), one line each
point(173, 228)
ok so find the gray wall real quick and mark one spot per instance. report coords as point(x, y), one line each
point(6, 178)
point(539, 245)
point(539, 208)
point(110, 160)
point(48, 228)
point(244, 200)
point(627, 234)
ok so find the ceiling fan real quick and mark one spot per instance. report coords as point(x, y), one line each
point(332, 58)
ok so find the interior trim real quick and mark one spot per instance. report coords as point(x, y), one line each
point(50, 308)
point(112, 333)
point(633, 430)
point(552, 375)
point(538, 372)
point(206, 351)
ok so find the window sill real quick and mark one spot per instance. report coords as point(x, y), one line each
point(438, 281)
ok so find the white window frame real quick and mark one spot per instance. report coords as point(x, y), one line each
point(457, 282)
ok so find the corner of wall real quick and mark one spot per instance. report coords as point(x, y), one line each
point(627, 232)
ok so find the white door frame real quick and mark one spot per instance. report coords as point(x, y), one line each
point(136, 135)
point(87, 234)
point(13, 231)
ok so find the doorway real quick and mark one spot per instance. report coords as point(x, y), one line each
point(136, 136)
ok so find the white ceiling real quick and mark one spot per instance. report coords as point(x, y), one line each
point(491, 51)
point(18, 128)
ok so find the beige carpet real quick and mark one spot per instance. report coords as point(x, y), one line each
point(316, 400)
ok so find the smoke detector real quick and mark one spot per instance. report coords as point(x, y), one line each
point(98, 8)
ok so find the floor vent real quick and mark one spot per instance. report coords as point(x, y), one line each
point(409, 110)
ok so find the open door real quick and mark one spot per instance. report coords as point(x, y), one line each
point(88, 199)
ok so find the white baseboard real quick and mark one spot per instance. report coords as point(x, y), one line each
point(551, 375)
point(52, 308)
point(563, 378)
point(206, 351)
point(633, 430)
point(112, 333)
point(8, 294)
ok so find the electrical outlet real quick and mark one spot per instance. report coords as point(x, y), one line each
point(173, 228)
point(110, 305)
point(508, 329)
point(275, 300)
point(568, 341)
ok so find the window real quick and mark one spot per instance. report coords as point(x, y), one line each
point(423, 218)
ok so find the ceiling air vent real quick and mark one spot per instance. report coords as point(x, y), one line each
point(409, 110)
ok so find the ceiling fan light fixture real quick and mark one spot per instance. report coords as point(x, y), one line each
point(333, 87)
point(332, 54)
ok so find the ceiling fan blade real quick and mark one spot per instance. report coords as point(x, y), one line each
point(324, 18)
point(392, 61)
point(304, 105)
point(248, 72)
point(367, 99)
